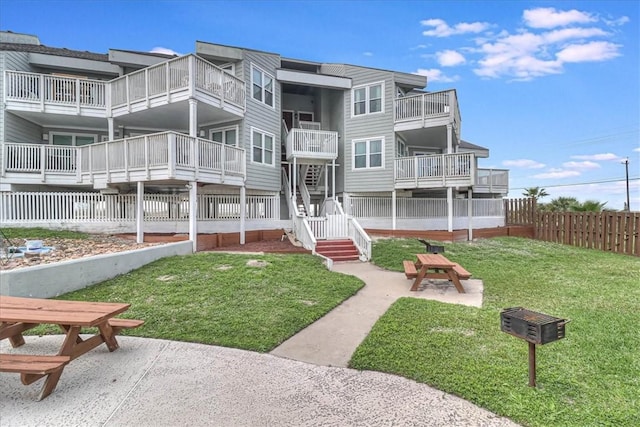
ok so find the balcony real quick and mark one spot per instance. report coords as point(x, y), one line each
point(44, 93)
point(434, 111)
point(176, 80)
point(309, 145)
point(492, 181)
point(435, 171)
point(165, 156)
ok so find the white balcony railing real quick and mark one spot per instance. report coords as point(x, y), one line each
point(168, 151)
point(428, 106)
point(444, 169)
point(186, 73)
point(308, 143)
point(493, 178)
point(48, 89)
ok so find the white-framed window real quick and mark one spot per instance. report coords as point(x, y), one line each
point(262, 147)
point(262, 86)
point(75, 139)
point(367, 99)
point(227, 135)
point(368, 153)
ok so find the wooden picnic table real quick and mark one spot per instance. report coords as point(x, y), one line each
point(18, 315)
point(437, 266)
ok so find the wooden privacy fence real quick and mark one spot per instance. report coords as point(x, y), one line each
point(606, 231)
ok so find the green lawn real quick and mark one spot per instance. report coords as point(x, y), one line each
point(216, 298)
point(590, 378)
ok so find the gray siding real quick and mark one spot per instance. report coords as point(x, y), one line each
point(14, 61)
point(333, 113)
point(263, 117)
point(18, 129)
point(367, 126)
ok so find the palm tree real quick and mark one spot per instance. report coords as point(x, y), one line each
point(562, 204)
point(590, 206)
point(535, 193)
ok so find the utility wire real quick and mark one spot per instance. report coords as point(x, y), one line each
point(604, 181)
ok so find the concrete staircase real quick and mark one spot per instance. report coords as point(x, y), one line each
point(338, 250)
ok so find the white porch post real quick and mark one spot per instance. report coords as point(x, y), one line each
point(193, 117)
point(140, 213)
point(449, 139)
point(470, 212)
point(295, 182)
point(243, 213)
point(326, 181)
point(449, 209)
point(393, 209)
point(333, 179)
point(111, 128)
point(193, 214)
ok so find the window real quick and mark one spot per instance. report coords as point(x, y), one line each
point(401, 149)
point(368, 99)
point(262, 84)
point(228, 135)
point(262, 147)
point(367, 154)
point(76, 139)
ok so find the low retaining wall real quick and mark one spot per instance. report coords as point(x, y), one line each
point(51, 280)
point(456, 235)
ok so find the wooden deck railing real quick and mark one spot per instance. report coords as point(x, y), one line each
point(435, 167)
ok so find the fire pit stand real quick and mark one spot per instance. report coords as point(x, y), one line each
point(533, 327)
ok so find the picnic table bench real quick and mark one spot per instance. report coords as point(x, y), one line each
point(435, 266)
point(18, 315)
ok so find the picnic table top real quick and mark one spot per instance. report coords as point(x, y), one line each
point(77, 313)
point(435, 261)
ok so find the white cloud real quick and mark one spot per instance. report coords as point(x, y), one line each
point(581, 165)
point(556, 174)
point(549, 17)
point(596, 157)
point(441, 29)
point(593, 51)
point(450, 58)
point(524, 163)
point(164, 50)
point(551, 39)
point(420, 46)
point(367, 53)
point(637, 149)
point(435, 75)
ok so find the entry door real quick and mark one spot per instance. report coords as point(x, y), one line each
point(287, 116)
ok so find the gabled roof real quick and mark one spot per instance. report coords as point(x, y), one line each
point(35, 48)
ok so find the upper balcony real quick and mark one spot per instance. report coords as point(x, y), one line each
point(311, 145)
point(45, 93)
point(222, 95)
point(162, 157)
point(426, 116)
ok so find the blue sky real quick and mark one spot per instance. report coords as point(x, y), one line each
point(551, 88)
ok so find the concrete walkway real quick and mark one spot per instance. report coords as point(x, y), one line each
point(332, 340)
point(149, 382)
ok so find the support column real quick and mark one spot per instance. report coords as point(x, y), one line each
point(333, 179)
point(470, 213)
point(326, 181)
point(193, 214)
point(140, 213)
point(449, 139)
point(294, 180)
point(111, 128)
point(193, 117)
point(243, 213)
point(450, 209)
point(393, 209)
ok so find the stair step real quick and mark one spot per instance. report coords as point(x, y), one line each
point(345, 258)
point(331, 254)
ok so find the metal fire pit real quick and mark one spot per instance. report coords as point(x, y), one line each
point(429, 248)
point(533, 327)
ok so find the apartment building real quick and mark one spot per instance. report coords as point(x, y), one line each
point(231, 139)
